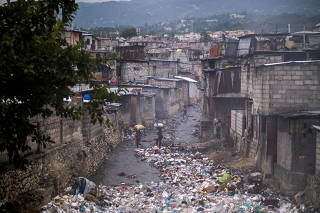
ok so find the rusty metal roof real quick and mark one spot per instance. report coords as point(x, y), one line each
point(301, 114)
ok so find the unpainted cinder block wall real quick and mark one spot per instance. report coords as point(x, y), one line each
point(287, 87)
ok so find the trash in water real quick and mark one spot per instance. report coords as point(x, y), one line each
point(188, 183)
point(83, 186)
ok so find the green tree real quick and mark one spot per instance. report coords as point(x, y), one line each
point(129, 32)
point(37, 70)
point(205, 37)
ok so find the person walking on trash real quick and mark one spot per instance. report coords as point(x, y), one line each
point(159, 127)
point(160, 137)
point(218, 129)
point(185, 112)
point(138, 135)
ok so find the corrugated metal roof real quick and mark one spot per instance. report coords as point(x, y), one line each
point(306, 33)
point(165, 79)
point(231, 48)
point(291, 62)
point(81, 88)
point(244, 46)
point(163, 60)
point(124, 91)
point(264, 35)
point(113, 104)
point(186, 79)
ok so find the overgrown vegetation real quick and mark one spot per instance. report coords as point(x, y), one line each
point(37, 70)
point(129, 32)
point(244, 21)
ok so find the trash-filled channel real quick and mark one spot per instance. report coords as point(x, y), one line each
point(189, 182)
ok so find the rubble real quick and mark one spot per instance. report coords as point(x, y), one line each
point(190, 182)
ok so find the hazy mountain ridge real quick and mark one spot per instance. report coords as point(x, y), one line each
point(140, 12)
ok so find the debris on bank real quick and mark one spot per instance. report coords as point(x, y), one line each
point(190, 182)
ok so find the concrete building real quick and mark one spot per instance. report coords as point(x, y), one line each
point(164, 68)
point(193, 90)
point(90, 42)
point(135, 52)
point(137, 71)
point(279, 92)
point(279, 104)
point(295, 150)
point(108, 44)
point(72, 37)
point(137, 106)
point(222, 94)
point(175, 95)
point(133, 71)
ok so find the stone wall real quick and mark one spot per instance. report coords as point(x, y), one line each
point(79, 150)
point(164, 69)
point(134, 71)
point(163, 83)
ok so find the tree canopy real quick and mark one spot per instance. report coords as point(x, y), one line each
point(37, 70)
point(205, 37)
point(129, 32)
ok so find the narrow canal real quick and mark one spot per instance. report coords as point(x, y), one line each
point(123, 167)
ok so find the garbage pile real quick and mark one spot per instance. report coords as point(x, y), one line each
point(190, 182)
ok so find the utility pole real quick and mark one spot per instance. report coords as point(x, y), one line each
point(304, 36)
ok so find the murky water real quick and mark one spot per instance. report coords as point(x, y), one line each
point(123, 167)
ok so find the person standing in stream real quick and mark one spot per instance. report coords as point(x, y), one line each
point(138, 135)
point(218, 129)
point(160, 137)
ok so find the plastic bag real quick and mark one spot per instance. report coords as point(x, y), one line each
point(225, 178)
point(84, 186)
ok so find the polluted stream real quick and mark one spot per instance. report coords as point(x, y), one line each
point(170, 179)
point(122, 166)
